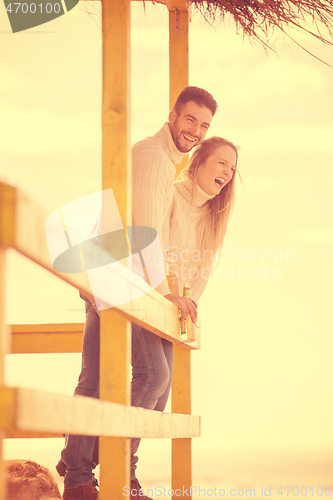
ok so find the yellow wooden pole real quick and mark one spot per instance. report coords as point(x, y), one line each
point(116, 158)
point(181, 403)
point(7, 232)
point(178, 59)
point(181, 385)
point(3, 342)
point(116, 174)
point(115, 386)
point(178, 52)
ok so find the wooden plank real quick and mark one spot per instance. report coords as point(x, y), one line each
point(115, 331)
point(2, 475)
point(3, 328)
point(8, 407)
point(115, 358)
point(64, 337)
point(47, 328)
point(42, 338)
point(60, 338)
point(46, 338)
point(33, 343)
point(115, 377)
point(151, 310)
point(7, 215)
point(181, 403)
point(181, 382)
point(116, 157)
point(17, 434)
point(177, 4)
point(181, 385)
point(37, 411)
point(23, 228)
point(3, 349)
point(181, 465)
point(178, 55)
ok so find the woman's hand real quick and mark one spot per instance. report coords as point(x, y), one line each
point(185, 305)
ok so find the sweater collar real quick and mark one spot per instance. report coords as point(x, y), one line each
point(174, 154)
point(191, 191)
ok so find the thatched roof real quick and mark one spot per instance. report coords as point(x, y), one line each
point(259, 19)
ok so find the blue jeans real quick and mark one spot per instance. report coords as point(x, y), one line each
point(152, 362)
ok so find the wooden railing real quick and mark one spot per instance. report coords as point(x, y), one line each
point(32, 413)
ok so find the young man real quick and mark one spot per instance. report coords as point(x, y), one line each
point(153, 168)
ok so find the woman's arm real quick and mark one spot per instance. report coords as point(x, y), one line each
point(185, 305)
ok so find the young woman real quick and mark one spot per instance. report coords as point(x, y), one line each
point(202, 200)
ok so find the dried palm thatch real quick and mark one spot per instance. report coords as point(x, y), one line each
point(259, 19)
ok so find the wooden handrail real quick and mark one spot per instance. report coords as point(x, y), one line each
point(61, 338)
point(22, 227)
point(31, 410)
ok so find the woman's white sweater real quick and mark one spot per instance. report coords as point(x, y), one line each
point(190, 265)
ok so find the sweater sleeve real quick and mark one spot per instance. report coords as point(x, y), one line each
point(152, 179)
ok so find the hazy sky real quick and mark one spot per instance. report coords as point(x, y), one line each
point(264, 375)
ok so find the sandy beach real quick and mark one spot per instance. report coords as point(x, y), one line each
point(277, 474)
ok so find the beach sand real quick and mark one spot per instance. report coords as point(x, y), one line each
point(217, 473)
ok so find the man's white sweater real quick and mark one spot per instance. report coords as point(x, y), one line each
point(153, 172)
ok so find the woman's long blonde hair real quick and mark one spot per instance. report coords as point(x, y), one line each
point(213, 225)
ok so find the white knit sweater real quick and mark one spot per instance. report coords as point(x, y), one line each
point(153, 172)
point(190, 265)
point(172, 208)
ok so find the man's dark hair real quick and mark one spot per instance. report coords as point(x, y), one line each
point(200, 96)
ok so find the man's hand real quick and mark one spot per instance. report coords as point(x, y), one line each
point(185, 305)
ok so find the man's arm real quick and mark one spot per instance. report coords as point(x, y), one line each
point(152, 180)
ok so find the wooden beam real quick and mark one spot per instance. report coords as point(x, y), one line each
point(181, 384)
point(116, 157)
point(177, 4)
point(53, 338)
point(47, 328)
point(115, 331)
point(3, 349)
point(7, 215)
point(178, 52)
point(181, 403)
point(22, 227)
point(178, 55)
point(37, 411)
point(3, 327)
point(62, 337)
point(16, 434)
point(151, 310)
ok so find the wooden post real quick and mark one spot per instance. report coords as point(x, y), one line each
point(7, 231)
point(181, 403)
point(3, 338)
point(115, 386)
point(178, 57)
point(181, 384)
point(116, 174)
